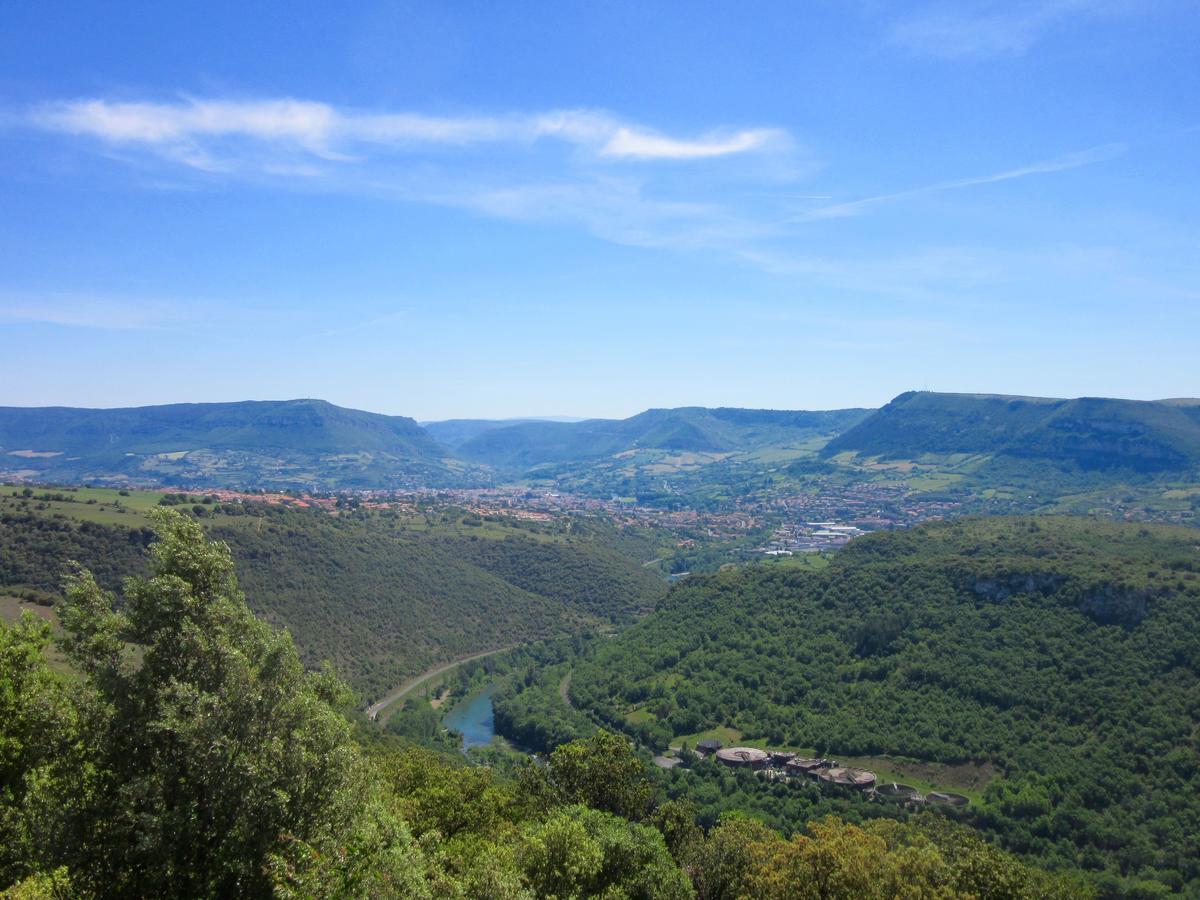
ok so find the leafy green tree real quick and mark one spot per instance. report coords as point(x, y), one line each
point(37, 731)
point(434, 797)
point(212, 748)
point(838, 861)
point(723, 863)
point(604, 773)
point(676, 821)
point(54, 885)
point(582, 852)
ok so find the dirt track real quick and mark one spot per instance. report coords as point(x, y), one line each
point(564, 689)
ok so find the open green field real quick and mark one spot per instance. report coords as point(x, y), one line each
point(11, 611)
point(730, 737)
point(12, 608)
point(813, 562)
point(105, 506)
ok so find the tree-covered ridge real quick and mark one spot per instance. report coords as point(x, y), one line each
point(192, 756)
point(1064, 653)
point(380, 596)
point(1089, 434)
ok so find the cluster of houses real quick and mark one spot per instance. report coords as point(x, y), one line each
point(779, 764)
point(792, 765)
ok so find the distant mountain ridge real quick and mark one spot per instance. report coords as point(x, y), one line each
point(313, 444)
point(267, 443)
point(684, 429)
point(1090, 433)
point(453, 433)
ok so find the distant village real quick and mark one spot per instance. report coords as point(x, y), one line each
point(849, 509)
point(804, 522)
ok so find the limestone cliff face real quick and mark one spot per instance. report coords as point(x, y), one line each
point(1001, 587)
point(1115, 604)
point(1105, 602)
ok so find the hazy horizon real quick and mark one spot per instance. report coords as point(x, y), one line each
point(578, 418)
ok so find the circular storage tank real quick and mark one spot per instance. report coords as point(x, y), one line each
point(848, 777)
point(947, 798)
point(743, 757)
point(897, 793)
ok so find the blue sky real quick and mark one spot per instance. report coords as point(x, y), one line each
point(481, 209)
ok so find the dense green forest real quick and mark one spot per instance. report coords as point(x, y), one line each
point(380, 595)
point(1056, 662)
point(188, 754)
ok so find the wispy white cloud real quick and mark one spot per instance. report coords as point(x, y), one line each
point(199, 132)
point(1062, 163)
point(995, 28)
point(627, 142)
point(555, 167)
point(584, 168)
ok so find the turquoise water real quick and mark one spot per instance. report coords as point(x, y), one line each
point(473, 719)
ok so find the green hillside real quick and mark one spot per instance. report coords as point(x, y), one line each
point(1089, 434)
point(289, 443)
point(380, 595)
point(1051, 666)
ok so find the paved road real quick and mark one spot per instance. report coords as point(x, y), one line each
point(415, 682)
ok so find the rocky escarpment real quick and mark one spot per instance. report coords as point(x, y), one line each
point(1106, 602)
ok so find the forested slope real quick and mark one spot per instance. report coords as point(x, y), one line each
point(384, 601)
point(379, 596)
point(1064, 653)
